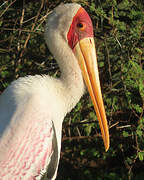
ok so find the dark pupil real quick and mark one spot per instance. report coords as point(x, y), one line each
point(79, 25)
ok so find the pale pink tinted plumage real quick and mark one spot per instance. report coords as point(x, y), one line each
point(30, 145)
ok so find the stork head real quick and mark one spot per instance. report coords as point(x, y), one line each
point(77, 31)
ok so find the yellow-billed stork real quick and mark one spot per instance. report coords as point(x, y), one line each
point(32, 108)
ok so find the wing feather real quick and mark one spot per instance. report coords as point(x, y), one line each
point(27, 139)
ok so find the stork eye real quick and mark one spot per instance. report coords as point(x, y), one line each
point(81, 26)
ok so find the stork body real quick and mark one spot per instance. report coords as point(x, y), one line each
point(37, 106)
point(32, 108)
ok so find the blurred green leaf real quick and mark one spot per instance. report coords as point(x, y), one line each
point(141, 156)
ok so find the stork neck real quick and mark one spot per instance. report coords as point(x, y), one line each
point(71, 76)
point(72, 80)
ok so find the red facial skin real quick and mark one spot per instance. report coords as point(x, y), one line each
point(80, 28)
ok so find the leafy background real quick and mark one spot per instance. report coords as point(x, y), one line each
point(119, 37)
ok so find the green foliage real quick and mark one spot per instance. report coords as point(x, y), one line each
point(119, 36)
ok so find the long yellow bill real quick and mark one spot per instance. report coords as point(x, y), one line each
point(86, 55)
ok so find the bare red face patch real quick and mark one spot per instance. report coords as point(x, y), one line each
point(80, 28)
